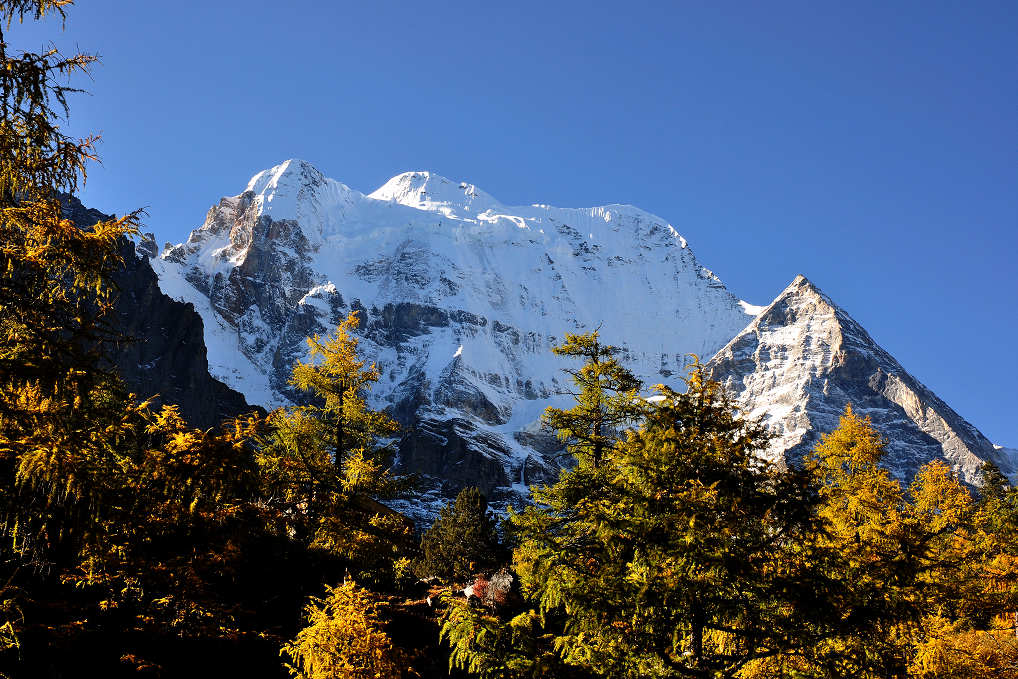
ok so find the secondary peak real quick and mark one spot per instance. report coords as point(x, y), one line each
point(429, 190)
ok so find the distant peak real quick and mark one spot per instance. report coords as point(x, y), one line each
point(285, 191)
point(294, 169)
point(427, 189)
point(804, 286)
point(800, 293)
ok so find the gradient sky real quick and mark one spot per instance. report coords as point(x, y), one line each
point(871, 146)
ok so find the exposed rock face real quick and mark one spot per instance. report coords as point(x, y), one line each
point(166, 353)
point(460, 298)
point(803, 359)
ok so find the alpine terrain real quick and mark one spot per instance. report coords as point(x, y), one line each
point(803, 359)
point(461, 298)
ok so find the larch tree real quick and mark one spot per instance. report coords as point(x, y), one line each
point(327, 467)
point(685, 559)
point(518, 641)
point(606, 395)
point(917, 583)
point(54, 290)
point(687, 565)
point(345, 638)
point(112, 517)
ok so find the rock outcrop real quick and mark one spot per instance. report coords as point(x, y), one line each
point(164, 350)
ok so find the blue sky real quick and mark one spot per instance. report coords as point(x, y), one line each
point(871, 146)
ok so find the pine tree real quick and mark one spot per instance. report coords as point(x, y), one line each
point(463, 540)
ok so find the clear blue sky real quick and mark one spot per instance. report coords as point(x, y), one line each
point(871, 146)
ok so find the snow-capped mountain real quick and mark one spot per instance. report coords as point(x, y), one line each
point(461, 298)
point(804, 358)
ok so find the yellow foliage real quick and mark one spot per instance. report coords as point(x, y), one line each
point(344, 639)
point(952, 652)
point(323, 465)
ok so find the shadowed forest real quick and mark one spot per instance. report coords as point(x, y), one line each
point(132, 544)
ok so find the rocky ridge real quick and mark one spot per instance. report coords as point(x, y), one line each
point(162, 355)
point(803, 359)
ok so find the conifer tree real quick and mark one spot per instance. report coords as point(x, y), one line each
point(606, 399)
point(914, 579)
point(164, 549)
point(335, 375)
point(463, 540)
point(686, 564)
point(685, 560)
point(54, 290)
point(54, 277)
point(325, 468)
point(344, 639)
point(519, 641)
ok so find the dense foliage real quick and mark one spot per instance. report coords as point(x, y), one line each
point(667, 547)
point(344, 639)
point(462, 542)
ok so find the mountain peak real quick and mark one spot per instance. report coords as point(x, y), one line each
point(282, 189)
point(803, 359)
point(429, 191)
point(800, 299)
point(285, 173)
point(804, 286)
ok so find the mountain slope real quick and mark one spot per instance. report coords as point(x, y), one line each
point(163, 352)
point(803, 359)
point(461, 299)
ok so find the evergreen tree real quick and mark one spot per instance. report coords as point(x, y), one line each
point(518, 641)
point(686, 564)
point(324, 467)
point(993, 485)
point(462, 541)
point(508, 643)
point(684, 559)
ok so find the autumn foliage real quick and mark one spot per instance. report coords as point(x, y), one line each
point(669, 546)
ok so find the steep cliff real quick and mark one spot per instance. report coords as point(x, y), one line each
point(163, 351)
